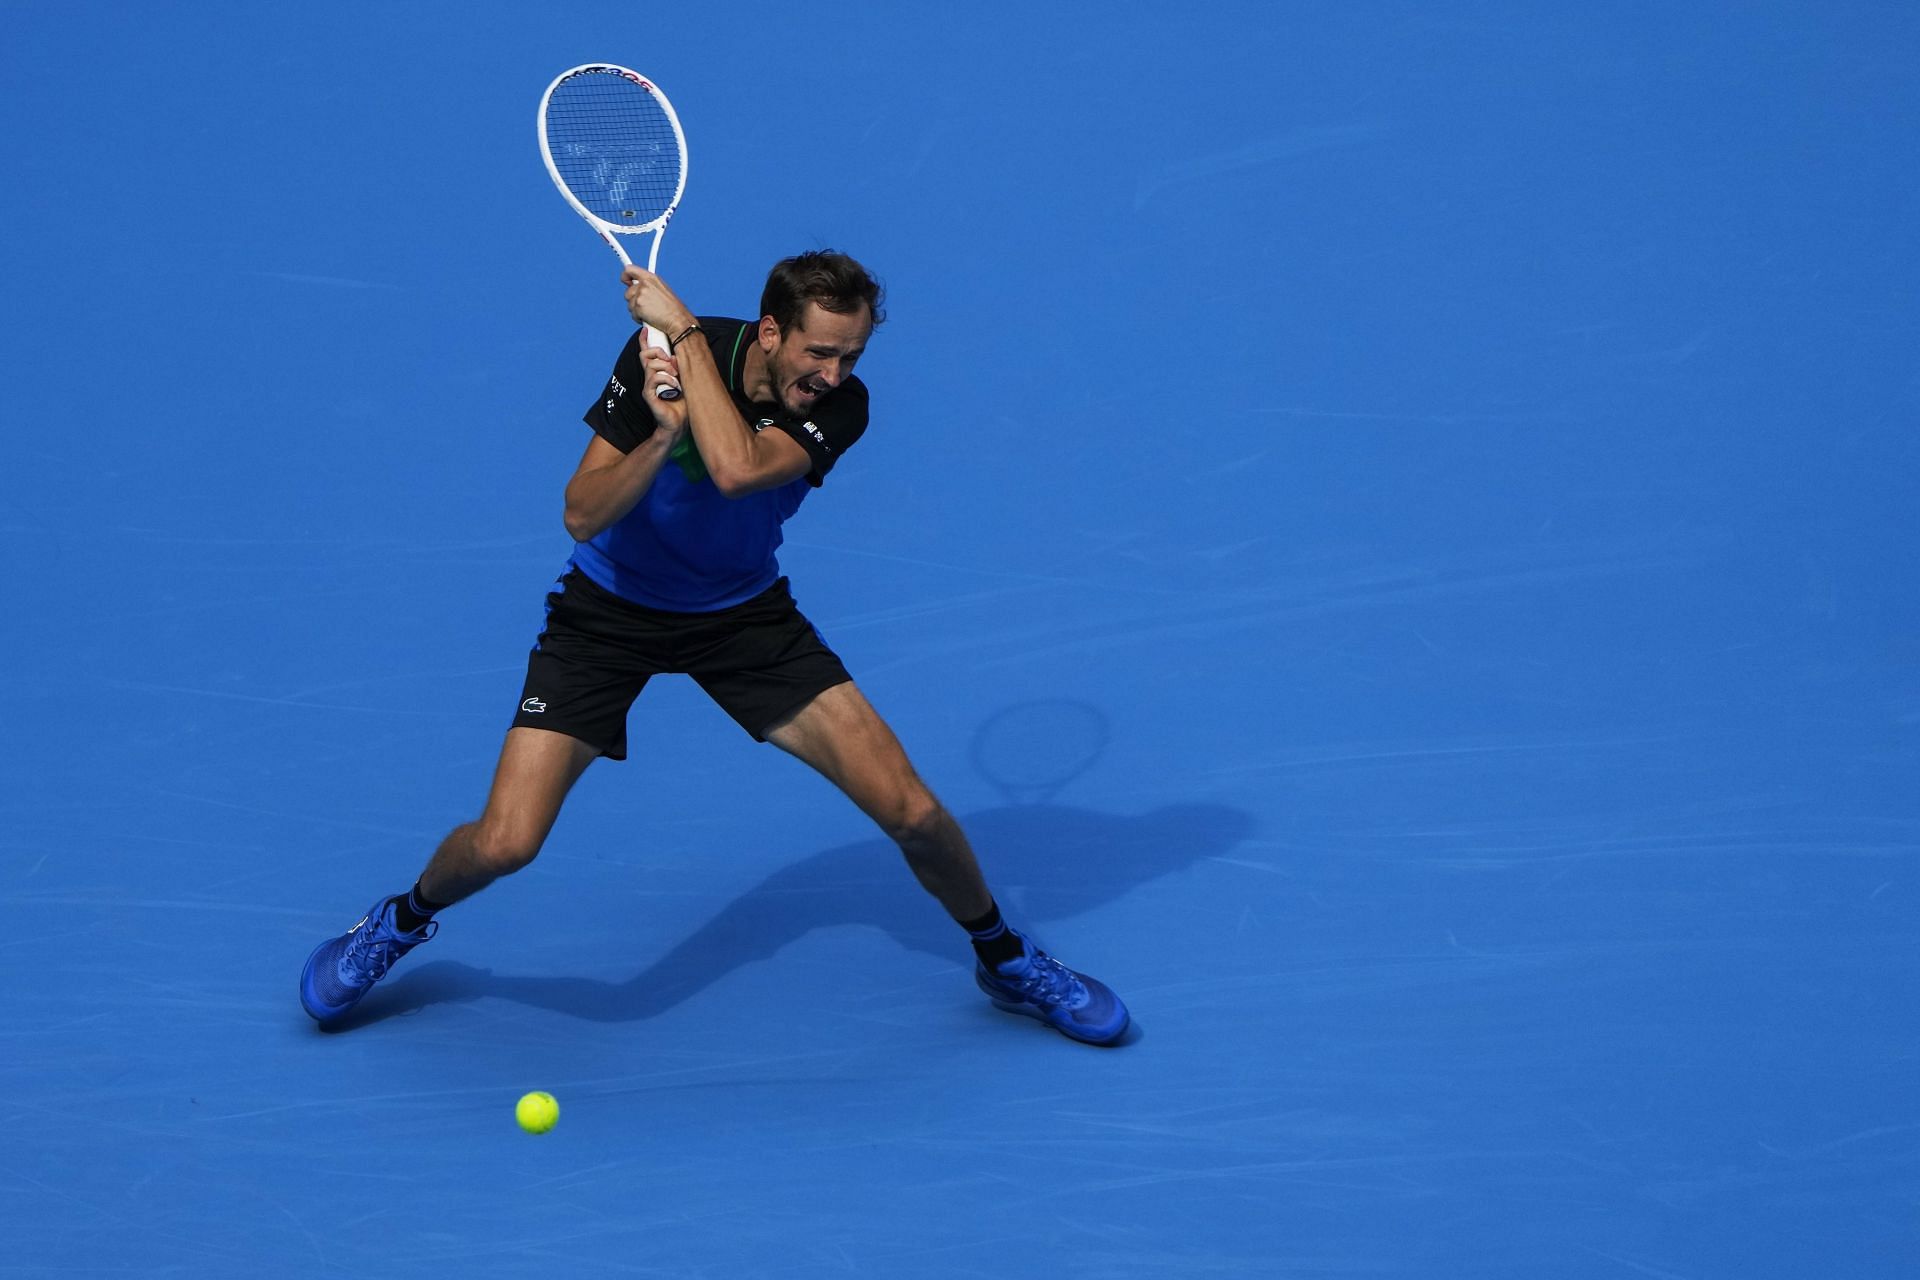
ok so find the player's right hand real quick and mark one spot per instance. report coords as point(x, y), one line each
point(661, 369)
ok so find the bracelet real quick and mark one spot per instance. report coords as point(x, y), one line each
point(682, 336)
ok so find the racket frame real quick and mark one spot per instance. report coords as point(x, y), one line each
point(611, 232)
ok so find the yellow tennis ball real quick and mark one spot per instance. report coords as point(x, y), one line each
point(537, 1112)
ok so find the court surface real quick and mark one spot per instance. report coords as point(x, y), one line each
point(1389, 523)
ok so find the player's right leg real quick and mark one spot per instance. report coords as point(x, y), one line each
point(537, 769)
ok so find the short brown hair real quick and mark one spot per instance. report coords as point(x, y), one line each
point(835, 281)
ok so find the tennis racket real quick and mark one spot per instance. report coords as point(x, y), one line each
point(613, 146)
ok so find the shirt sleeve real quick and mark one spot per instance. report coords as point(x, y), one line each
point(620, 416)
point(836, 425)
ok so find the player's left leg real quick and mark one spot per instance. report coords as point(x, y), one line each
point(843, 737)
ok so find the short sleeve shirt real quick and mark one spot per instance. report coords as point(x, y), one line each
point(686, 547)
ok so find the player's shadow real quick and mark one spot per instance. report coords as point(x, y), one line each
point(1048, 863)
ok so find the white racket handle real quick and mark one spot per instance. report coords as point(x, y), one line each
point(665, 390)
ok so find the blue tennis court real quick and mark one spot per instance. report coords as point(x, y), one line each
point(1391, 526)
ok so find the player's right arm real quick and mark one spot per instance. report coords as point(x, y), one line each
point(608, 483)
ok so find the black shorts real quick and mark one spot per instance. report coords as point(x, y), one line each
point(761, 661)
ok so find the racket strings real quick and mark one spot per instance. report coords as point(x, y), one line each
point(614, 147)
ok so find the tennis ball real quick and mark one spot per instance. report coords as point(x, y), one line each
point(537, 1112)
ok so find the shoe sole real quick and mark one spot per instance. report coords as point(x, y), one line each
point(1027, 1010)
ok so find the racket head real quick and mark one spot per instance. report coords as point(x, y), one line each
point(614, 147)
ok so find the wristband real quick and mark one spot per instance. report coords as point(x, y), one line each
point(682, 336)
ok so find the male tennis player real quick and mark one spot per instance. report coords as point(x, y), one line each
point(677, 507)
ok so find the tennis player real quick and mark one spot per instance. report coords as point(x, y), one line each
point(677, 508)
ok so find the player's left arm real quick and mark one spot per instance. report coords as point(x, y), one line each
point(739, 459)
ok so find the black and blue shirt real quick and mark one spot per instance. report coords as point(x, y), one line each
point(685, 546)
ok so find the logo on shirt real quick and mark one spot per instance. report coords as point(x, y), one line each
point(534, 705)
point(819, 436)
point(613, 385)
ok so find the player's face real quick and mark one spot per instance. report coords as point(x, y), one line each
point(815, 354)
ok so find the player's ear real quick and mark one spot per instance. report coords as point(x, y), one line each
point(769, 334)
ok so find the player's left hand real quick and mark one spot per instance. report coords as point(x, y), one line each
point(651, 302)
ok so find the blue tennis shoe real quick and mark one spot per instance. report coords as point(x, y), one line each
point(341, 970)
point(1037, 985)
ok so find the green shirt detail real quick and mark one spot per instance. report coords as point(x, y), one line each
point(685, 451)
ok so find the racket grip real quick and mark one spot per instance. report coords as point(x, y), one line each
point(658, 341)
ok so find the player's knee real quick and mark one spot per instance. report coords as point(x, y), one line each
point(916, 817)
point(501, 850)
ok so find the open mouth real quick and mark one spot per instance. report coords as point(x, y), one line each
point(809, 388)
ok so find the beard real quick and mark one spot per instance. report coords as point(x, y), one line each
point(797, 394)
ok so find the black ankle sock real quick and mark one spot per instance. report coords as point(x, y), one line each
point(412, 910)
point(993, 941)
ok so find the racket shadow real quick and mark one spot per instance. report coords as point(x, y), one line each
point(1050, 863)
